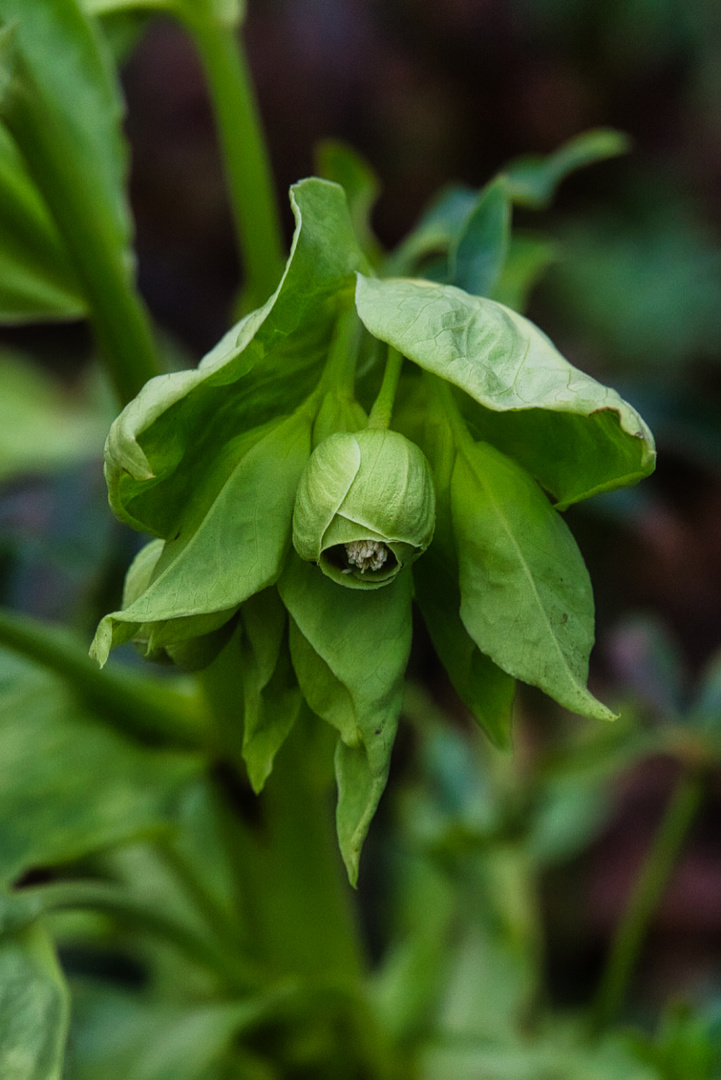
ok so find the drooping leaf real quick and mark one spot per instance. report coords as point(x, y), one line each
point(533, 179)
point(526, 595)
point(574, 435)
point(228, 547)
point(482, 686)
point(69, 785)
point(37, 281)
point(266, 365)
point(478, 253)
point(270, 691)
point(34, 1007)
point(363, 637)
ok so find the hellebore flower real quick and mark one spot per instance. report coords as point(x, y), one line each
point(365, 507)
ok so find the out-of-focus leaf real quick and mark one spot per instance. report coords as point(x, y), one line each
point(343, 165)
point(34, 1007)
point(478, 253)
point(68, 785)
point(37, 281)
point(124, 1036)
point(527, 260)
point(42, 427)
point(532, 180)
point(574, 435)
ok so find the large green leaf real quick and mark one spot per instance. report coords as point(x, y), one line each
point(69, 785)
point(574, 435)
point(166, 439)
point(37, 281)
point(362, 640)
point(526, 595)
point(230, 543)
point(34, 1007)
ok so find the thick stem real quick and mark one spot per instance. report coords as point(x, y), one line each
point(645, 898)
point(339, 371)
point(117, 313)
point(443, 393)
point(382, 411)
point(130, 702)
point(245, 158)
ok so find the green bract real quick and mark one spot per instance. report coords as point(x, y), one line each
point(281, 440)
point(365, 507)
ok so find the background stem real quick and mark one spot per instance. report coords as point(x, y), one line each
point(646, 895)
point(245, 158)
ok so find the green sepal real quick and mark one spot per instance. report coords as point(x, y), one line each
point(363, 639)
point(526, 596)
point(574, 435)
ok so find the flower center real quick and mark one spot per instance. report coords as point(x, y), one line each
point(366, 554)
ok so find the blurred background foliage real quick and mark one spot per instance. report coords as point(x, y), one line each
point(431, 93)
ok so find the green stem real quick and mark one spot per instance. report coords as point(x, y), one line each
point(382, 411)
point(245, 157)
point(130, 702)
point(117, 313)
point(101, 896)
point(217, 919)
point(645, 898)
point(339, 371)
point(443, 393)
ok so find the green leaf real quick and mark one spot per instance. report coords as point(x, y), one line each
point(69, 786)
point(343, 165)
point(533, 179)
point(231, 544)
point(527, 260)
point(574, 435)
point(42, 427)
point(34, 1007)
point(224, 12)
point(116, 1035)
point(478, 253)
point(526, 595)
point(37, 281)
point(166, 439)
point(363, 639)
point(270, 690)
point(443, 220)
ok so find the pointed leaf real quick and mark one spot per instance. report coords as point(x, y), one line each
point(533, 179)
point(364, 639)
point(266, 365)
point(34, 1007)
point(270, 690)
point(478, 253)
point(526, 595)
point(574, 435)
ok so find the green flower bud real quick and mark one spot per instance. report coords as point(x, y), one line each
point(365, 507)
